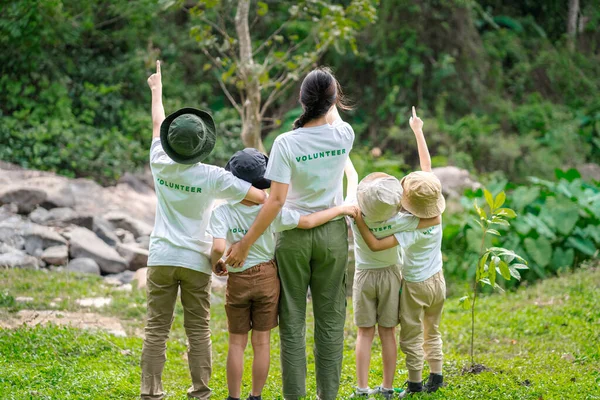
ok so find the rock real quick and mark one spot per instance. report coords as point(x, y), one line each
point(104, 230)
point(10, 232)
point(590, 172)
point(135, 256)
point(140, 277)
point(85, 243)
point(84, 265)
point(124, 221)
point(8, 211)
point(125, 236)
point(125, 288)
point(23, 299)
point(94, 302)
point(26, 198)
point(56, 255)
point(143, 242)
point(18, 260)
point(137, 182)
point(122, 278)
point(62, 217)
point(455, 180)
point(39, 237)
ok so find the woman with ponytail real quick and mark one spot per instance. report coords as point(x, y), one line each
point(306, 167)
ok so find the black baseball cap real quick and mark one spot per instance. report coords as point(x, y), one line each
point(250, 165)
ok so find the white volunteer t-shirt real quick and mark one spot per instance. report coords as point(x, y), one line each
point(367, 259)
point(311, 160)
point(185, 196)
point(421, 253)
point(232, 221)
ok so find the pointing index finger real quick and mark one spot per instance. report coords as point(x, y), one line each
point(158, 67)
point(414, 112)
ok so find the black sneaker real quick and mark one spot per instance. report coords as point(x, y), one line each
point(413, 387)
point(259, 397)
point(434, 382)
point(232, 398)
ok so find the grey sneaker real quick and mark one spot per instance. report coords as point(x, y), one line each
point(385, 393)
point(359, 394)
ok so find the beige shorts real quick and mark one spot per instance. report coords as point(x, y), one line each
point(376, 297)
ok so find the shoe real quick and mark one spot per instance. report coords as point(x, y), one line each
point(434, 382)
point(385, 393)
point(259, 397)
point(359, 394)
point(413, 387)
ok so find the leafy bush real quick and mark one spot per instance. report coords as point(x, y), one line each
point(558, 227)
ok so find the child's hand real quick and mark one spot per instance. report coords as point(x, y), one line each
point(220, 269)
point(416, 123)
point(350, 211)
point(155, 80)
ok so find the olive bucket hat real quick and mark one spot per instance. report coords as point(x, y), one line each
point(188, 135)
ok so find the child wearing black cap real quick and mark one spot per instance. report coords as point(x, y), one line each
point(252, 295)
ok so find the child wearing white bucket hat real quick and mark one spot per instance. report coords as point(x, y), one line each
point(377, 280)
point(423, 289)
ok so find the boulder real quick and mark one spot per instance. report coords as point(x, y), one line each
point(125, 236)
point(104, 230)
point(455, 180)
point(62, 217)
point(143, 242)
point(84, 265)
point(128, 223)
point(18, 259)
point(136, 256)
point(26, 198)
point(85, 243)
point(56, 255)
point(122, 278)
point(8, 210)
point(39, 237)
point(140, 277)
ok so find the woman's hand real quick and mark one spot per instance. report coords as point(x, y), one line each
point(220, 269)
point(351, 211)
point(155, 80)
point(416, 123)
point(237, 254)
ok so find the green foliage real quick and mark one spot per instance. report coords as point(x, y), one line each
point(558, 227)
point(492, 261)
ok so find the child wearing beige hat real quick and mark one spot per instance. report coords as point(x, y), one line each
point(423, 289)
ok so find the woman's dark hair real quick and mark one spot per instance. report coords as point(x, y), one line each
point(319, 91)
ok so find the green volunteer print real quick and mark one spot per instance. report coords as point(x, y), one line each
point(238, 230)
point(321, 154)
point(176, 186)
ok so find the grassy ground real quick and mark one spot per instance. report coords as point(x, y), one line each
point(542, 342)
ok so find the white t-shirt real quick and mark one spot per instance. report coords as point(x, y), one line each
point(421, 253)
point(311, 160)
point(232, 221)
point(185, 196)
point(367, 259)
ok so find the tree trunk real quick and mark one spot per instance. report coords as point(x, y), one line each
point(249, 74)
point(572, 23)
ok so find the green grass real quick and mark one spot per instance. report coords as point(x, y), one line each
point(541, 342)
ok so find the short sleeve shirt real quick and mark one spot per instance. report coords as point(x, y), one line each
point(232, 221)
point(312, 160)
point(185, 197)
point(421, 253)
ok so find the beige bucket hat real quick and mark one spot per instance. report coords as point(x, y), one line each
point(379, 196)
point(423, 194)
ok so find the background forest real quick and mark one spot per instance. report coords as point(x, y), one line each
point(508, 90)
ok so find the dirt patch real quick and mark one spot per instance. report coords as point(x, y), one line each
point(81, 320)
point(475, 369)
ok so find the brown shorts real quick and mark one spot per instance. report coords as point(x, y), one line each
point(252, 298)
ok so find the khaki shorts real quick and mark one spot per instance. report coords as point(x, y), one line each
point(252, 298)
point(376, 297)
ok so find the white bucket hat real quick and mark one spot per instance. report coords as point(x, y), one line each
point(379, 198)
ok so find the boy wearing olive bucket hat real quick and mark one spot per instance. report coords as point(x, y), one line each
point(179, 245)
point(252, 296)
point(423, 288)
